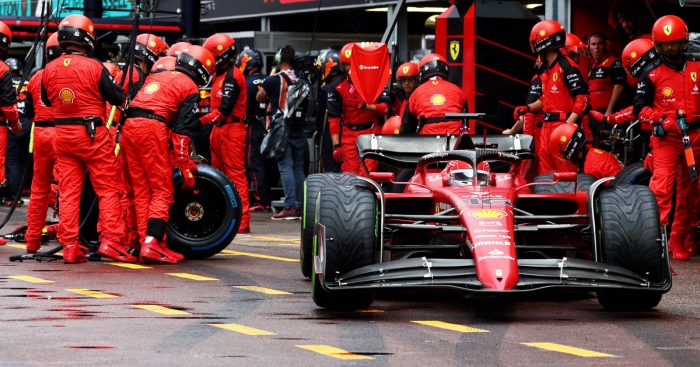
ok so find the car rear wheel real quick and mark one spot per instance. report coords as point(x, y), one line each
point(629, 233)
point(349, 216)
point(583, 182)
point(313, 184)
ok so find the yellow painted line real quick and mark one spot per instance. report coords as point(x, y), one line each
point(91, 293)
point(260, 289)
point(567, 349)
point(260, 256)
point(30, 279)
point(128, 265)
point(16, 245)
point(371, 310)
point(243, 329)
point(161, 310)
point(334, 352)
point(275, 239)
point(191, 276)
point(453, 327)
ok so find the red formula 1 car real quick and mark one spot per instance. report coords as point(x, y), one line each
point(471, 226)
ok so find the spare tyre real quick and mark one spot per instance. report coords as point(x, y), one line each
point(204, 221)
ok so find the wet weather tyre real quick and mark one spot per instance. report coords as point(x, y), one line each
point(205, 220)
point(349, 216)
point(313, 184)
point(629, 233)
point(583, 182)
point(633, 174)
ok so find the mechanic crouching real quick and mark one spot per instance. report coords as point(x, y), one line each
point(166, 102)
point(668, 95)
point(570, 145)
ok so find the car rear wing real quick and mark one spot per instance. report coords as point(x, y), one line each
point(404, 151)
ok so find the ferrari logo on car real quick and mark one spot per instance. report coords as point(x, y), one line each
point(66, 62)
point(667, 29)
point(694, 76)
point(487, 213)
point(454, 50)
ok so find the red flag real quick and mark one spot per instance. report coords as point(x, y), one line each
point(369, 69)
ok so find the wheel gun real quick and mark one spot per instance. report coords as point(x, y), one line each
point(687, 147)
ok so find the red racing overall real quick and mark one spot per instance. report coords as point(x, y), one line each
point(230, 133)
point(8, 111)
point(427, 107)
point(661, 92)
point(77, 87)
point(345, 104)
point(166, 101)
point(563, 92)
point(597, 163)
point(44, 159)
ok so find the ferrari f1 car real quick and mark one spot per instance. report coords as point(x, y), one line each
point(469, 221)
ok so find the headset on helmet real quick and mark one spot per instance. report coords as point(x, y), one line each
point(5, 38)
point(547, 35)
point(328, 64)
point(14, 64)
point(567, 140)
point(637, 55)
point(249, 59)
point(392, 126)
point(76, 30)
point(197, 62)
point(176, 48)
point(222, 46)
point(164, 63)
point(407, 70)
point(53, 49)
point(148, 47)
point(433, 65)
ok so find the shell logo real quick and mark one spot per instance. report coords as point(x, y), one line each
point(667, 92)
point(542, 33)
point(152, 44)
point(438, 100)
point(563, 138)
point(597, 151)
point(208, 62)
point(151, 88)
point(66, 95)
point(633, 55)
point(91, 28)
point(220, 47)
point(487, 213)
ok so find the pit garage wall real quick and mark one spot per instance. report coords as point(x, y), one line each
point(490, 58)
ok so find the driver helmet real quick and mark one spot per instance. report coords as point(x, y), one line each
point(461, 173)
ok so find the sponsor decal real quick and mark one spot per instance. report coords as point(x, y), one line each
point(487, 213)
point(694, 76)
point(454, 50)
point(487, 230)
point(668, 29)
point(492, 236)
point(667, 92)
point(66, 95)
point(499, 272)
point(405, 69)
point(438, 100)
point(490, 223)
point(348, 53)
point(151, 88)
point(496, 252)
point(542, 33)
point(66, 62)
point(495, 257)
point(491, 243)
point(555, 76)
point(369, 67)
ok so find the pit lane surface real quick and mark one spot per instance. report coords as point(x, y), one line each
point(250, 305)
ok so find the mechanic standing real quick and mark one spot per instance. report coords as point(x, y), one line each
point(166, 102)
point(8, 99)
point(606, 79)
point(291, 166)
point(435, 96)
point(569, 144)
point(44, 156)
point(349, 116)
point(228, 111)
point(250, 62)
point(564, 92)
point(17, 150)
point(77, 86)
point(668, 90)
point(328, 65)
